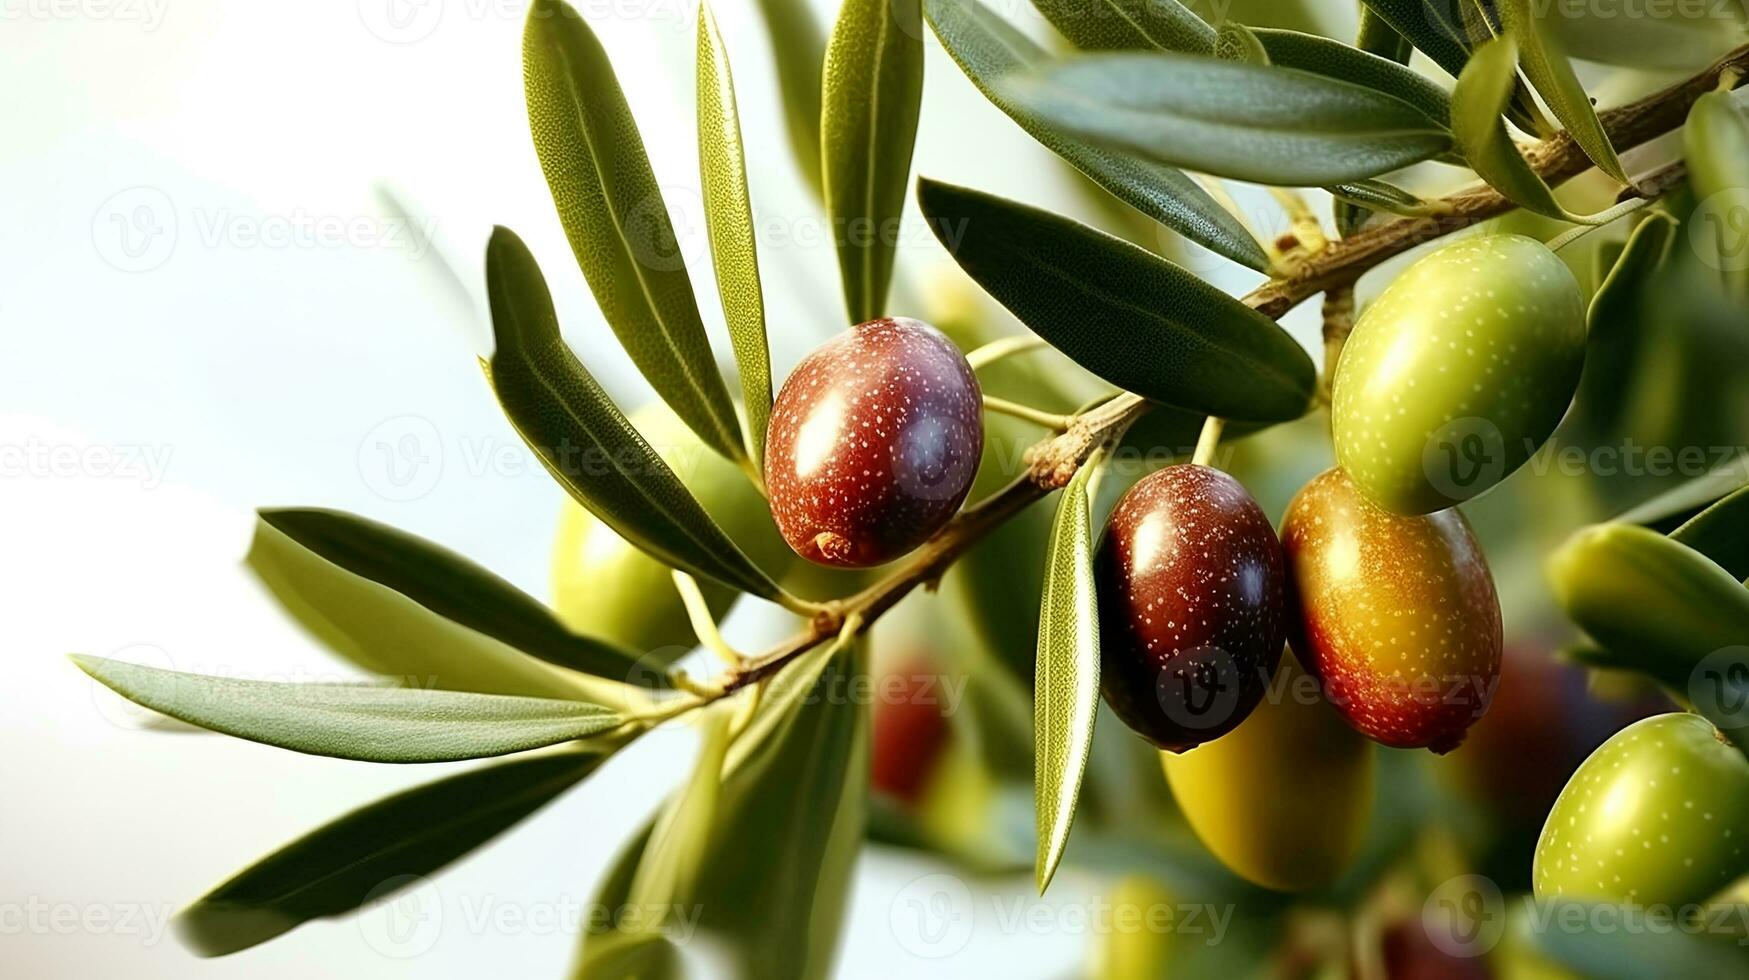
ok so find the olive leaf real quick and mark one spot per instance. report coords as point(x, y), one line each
point(1434, 28)
point(585, 441)
point(1266, 124)
point(374, 851)
point(1721, 532)
point(1066, 689)
point(1333, 59)
point(728, 213)
point(986, 47)
point(873, 94)
point(1477, 102)
point(1130, 317)
point(1549, 71)
point(355, 721)
point(798, 46)
point(1376, 195)
point(1236, 42)
point(1375, 35)
point(342, 598)
point(613, 213)
point(439, 580)
point(1613, 326)
point(1672, 508)
point(1117, 25)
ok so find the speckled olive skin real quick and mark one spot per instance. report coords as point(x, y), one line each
point(1397, 616)
point(1657, 816)
point(873, 444)
point(1458, 372)
point(1192, 615)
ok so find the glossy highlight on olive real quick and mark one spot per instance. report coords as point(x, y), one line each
point(873, 444)
point(1191, 606)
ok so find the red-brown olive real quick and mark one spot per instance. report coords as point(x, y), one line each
point(1191, 620)
point(873, 444)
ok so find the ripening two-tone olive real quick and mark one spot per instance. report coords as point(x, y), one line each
point(1283, 799)
point(1191, 606)
point(1397, 615)
point(605, 586)
point(1657, 816)
point(873, 443)
point(1458, 372)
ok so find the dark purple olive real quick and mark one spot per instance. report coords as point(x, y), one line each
point(1191, 611)
point(873, 444)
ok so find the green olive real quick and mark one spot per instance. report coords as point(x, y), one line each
point(1458, 372)
point(1282, 799)
point(605, 586)
point(1657, 816)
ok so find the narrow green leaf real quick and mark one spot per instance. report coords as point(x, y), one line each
point(1333, 59)
point(1375, 35)
point(395, 635)
point(585, 442)
point(1477, 103)
point(798, 47)
point(1132, 318)
point(1138, 25)
point(367, 853)
point(1270, 125)
point(355, 721)
point(1549, 71)
point(1721, 532)
point(728, 213)
point(1614, 327)
point(986, 48)
point(1435, 28)
point(613, 213)
point(1066, 689)
point(1671, 509)
point(1236, 42)
point(450, 586)
point(873, 93)
point(680, 840)
point(1377, 195)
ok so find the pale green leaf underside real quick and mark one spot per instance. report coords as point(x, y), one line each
point(1127, 315)
point(873, 93)
point(986, 47)
point(585, 441)
point(356, 721)
point(613, 213)
point(372, 851)
point(1066, 691)
point(1266, 124)
point(728, 211)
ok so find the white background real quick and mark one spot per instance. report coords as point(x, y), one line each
point(167, 364)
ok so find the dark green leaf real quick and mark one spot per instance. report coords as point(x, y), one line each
point(1549, 71)
point(1721, 532)
point(1671, 509)
point(398, 636)
point(1117, 25)
point(1066, 690)
point(798, 46)
point(369, 852)
point(1614, 322)
point(1480, 97)
point(613, 213)
point(1268, 125)
point(584, 441)
point(356, 721)
point(873, 93)
point(1132, 318)
point(986, 47)
point(1380, 196)
point(448, 585)
point(1333, 59)
point(1436, 28)
point(729, 218)
point(1376, 36)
